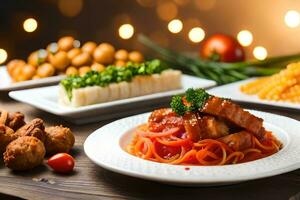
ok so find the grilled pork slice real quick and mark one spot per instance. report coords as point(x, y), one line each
point(204, 127)
point(238, 141)
point(235, 114)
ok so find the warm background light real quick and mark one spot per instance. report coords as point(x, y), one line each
point(70, 8)
point(175, 26)
point(167, 10)
point(3, 56)
point(126, 31)
point(245, 37)
point(30, 25)
point(196, 34)
point(292, 18)
point(260, 53)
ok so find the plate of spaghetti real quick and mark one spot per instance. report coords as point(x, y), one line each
point(201, 140)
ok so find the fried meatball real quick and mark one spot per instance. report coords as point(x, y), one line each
point(58, 140)
point(24, 153)
point(15, 120)
point(34, 128)
point(6, 136)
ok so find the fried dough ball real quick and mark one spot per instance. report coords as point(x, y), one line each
point(73, 53)
point(52, 47)
point(34, 128)
point(120, 63)
point(24, 153)
point(13, 64)
point(28, 71)
point(72, 71)
point(82, 59)
point(15, 120)
point(59, 60)
point(35, 77)
point(104, 53)
point(45, 70)
point(83, 70)
point(136, 56)
point(58, 140)
point(6, 136)
point(97, 67)
point(37, 57)
point(65, 43)
point(89, 47)
point(121, 54)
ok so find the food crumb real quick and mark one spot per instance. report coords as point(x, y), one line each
point(44, 180)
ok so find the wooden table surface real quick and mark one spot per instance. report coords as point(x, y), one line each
point(92, 182)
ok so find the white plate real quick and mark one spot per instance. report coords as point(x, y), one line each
point(6, 83)
point(233, 92)
point(46, 98)
point(105, 148)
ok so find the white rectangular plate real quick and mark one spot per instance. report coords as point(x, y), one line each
point(233, 92)
point(6, 84)
point(46, 99)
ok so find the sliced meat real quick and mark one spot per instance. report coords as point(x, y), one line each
point(163, 119)
point(234, 113)
point(204, 127)
point(238, 141)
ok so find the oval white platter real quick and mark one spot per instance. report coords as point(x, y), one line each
point(105, 147)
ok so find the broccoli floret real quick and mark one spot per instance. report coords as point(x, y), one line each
point(177, 105)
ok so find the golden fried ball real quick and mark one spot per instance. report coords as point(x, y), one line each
point(24, 153)
point(121, 54)
point(72, 71)
point(83, 70)
point(136, 56)
point(59, 60)
point(35, 77)
point(120, 63)
point(82, 59)
point(17, 74)
point(28, 71)
point(97, 67)
point(104, 53)
point(89, 47)
point(65, 43)
point(13, 64)
point(73, 53)
point(33, 59)
point(52, 47)
point(6, 136)
point(58, 140)
point(45, 70)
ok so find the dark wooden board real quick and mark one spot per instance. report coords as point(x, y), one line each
point(92, 182)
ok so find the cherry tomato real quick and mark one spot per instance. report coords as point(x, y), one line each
point(222, 48)
point(61, 162)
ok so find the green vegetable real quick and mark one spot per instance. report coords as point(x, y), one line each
point(220, 72)
point(112, 74)
point(195, 98)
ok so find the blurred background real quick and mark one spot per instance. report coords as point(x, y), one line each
point(270, 25)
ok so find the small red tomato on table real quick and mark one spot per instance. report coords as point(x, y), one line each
point(62, 163)
point(223, 48)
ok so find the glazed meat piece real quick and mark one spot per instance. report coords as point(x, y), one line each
point(12, 120)
point(238, 141)
point(164, 118)
point(34, 128)
point(24, 153)
point(230, 111)
point(58, 140)
point(6, 136)
point(203, 127)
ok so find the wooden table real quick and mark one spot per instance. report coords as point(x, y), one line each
point(92, 182)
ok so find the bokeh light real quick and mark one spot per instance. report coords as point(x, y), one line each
point(126, 31)
point(167, 10)
point(292, 18)
point(196, 34)
point(260, 53)
point(146, 3)
point(175, 26)
point(30, 25)
point(205, 4)
point(245, 38)
point(70, 8)
point(181, 2)
point(3, 56)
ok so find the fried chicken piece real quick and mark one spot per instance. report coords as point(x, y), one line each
point(58, 140)
point(24, 153)
point(6, 136)
point(34, 128)
point(238, 141)
point(12, 120)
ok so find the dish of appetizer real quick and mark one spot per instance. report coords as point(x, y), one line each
point(25, 145)
point(112, 92)
point(201, 140)
point(65, 57)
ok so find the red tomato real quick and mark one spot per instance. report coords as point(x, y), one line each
point(222, 48)
point(61, 162)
